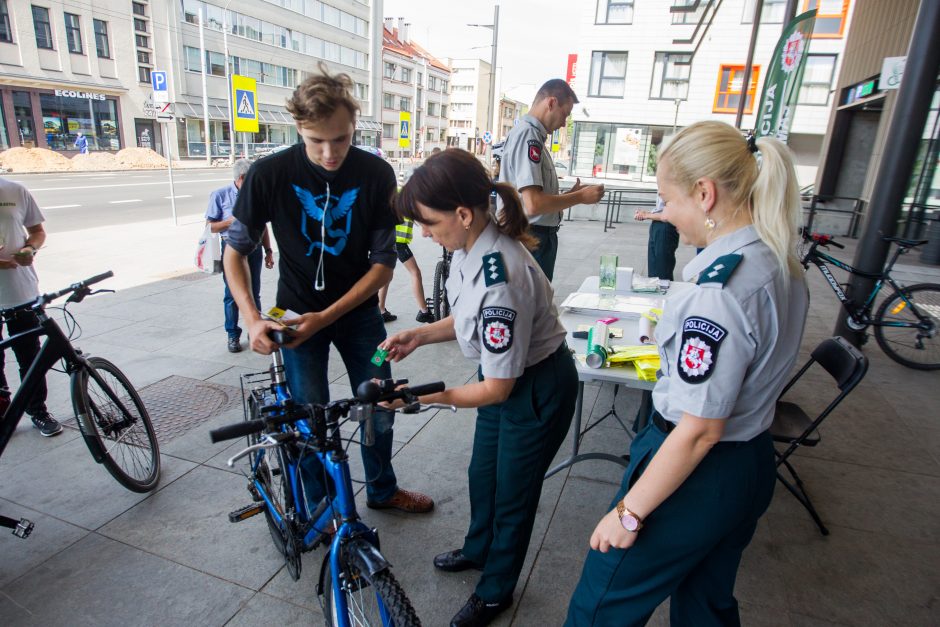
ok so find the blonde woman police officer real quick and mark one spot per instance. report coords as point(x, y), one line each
point(503, 317)
point(702, 473)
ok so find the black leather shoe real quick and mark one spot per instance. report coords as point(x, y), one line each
point(454, 562)
point(234, 345)
point(476, 612)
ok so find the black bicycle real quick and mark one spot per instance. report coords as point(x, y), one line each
point(110, 415)
point(438, 304)
point(906, 323)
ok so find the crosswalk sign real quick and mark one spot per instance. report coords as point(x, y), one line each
point(245, 103)
point(404, 129)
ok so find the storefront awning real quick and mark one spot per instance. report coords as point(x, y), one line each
point(368, 125)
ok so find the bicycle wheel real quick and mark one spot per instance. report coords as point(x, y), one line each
point(116, 425)
point(439, 296)
point(365, 596)
point(909, 345)
point(270, 471)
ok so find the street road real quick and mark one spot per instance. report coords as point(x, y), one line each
point(73, 201)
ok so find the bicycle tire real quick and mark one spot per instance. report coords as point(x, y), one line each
point(270, 474)
point(363, 602)
point(439, 296)
point(125, 444)
point(905, 344)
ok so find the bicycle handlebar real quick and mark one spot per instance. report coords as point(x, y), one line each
point(369, 393)
point(820, 239)
point(45, 299)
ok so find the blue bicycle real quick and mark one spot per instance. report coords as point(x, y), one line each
point(355, 579)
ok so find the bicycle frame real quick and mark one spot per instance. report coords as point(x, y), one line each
point(861, 313)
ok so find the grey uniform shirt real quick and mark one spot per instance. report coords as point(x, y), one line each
point(510, 323)
point(727, 345)
point(526, 163)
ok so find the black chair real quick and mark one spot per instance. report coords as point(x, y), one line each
point(792, 426)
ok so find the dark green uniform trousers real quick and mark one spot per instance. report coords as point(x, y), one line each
point(689, 548)
point(514, 443)
point(547, 250)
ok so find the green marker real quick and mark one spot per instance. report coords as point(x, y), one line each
point(379, 358)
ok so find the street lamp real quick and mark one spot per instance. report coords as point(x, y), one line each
point(489, 104)
point(228, 84)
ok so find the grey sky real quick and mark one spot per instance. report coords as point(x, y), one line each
point(532, 35)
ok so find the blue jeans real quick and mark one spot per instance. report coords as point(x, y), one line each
point(661, 250)
point(255, 260)
point(356, 336)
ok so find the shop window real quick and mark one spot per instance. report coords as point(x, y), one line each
point(692, 16)
point(23, 112)
point(614, 12)
point(6, 27)
point(817, 79)
point(671, 76)
point(42, 27)
point(143, 74)
point(728, 90)
point(4, 137)
point(830, 17)
point(140, 25)
point(73, 33)
point(142, 41)
point(608, 74)
point(63, 118)
point(101, 39)
point(771, 13)
point(139, 9)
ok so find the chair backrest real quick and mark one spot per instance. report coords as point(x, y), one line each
point(845, 363)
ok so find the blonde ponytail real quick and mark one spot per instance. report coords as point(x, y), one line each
point(775, 202)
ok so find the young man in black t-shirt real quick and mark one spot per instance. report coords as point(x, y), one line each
point(329, 206)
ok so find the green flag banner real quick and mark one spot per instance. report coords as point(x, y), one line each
point(782, 85)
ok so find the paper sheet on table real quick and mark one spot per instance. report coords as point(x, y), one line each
point(624, 306)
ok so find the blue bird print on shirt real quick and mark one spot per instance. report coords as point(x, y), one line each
point(330, 212)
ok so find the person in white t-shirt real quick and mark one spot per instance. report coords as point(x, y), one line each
point(21, 235)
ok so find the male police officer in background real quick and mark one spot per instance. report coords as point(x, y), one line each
point(529, 168)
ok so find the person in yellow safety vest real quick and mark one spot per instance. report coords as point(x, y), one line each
point(404, 233)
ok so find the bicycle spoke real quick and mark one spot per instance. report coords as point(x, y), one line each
point(129, 446)
point(911, 344)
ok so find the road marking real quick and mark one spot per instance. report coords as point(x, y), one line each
point(60, 206)
point(119, 202)
point(64, 189)
point(179, 196)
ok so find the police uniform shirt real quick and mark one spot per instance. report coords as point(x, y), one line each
point(526, 163)
point(502, 306)
point(728, 344)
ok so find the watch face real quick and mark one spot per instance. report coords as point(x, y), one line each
point(629, 522)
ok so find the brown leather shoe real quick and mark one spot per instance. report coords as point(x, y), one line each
point(406, 501)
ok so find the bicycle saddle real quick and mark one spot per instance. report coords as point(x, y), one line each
point(909, 243)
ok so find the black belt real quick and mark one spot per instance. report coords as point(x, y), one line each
point(547, 229)
point(661, 423)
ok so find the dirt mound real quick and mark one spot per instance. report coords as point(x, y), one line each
point(34, 160)
point(139, 158)
point(94, 161)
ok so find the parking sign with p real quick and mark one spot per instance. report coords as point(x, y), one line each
point(161, 88)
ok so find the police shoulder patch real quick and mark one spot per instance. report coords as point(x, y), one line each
point(535, 150)
point(701, 339)
point(497, 328)
point(494, 270)
point(720, 271)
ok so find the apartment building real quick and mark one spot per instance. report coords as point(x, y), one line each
point(648, 67)
point(414, 82)
point(469, 95)
point(70, 65)
point(509, 113)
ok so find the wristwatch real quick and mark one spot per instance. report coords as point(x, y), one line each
point(630, 521)
point(35, 250)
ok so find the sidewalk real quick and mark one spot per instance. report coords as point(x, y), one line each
point(101, 555)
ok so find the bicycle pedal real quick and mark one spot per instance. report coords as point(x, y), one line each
point(246, 512)
point(23, 528)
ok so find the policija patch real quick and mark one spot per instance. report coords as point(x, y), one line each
point(535, 150)
point(497, 328)
point(701, 339)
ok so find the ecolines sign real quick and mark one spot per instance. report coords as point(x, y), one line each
point(88, 95)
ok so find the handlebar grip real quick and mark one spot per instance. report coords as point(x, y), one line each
point(237, 430)
point(427, 388)
point(98, 278)
point(278, 337)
